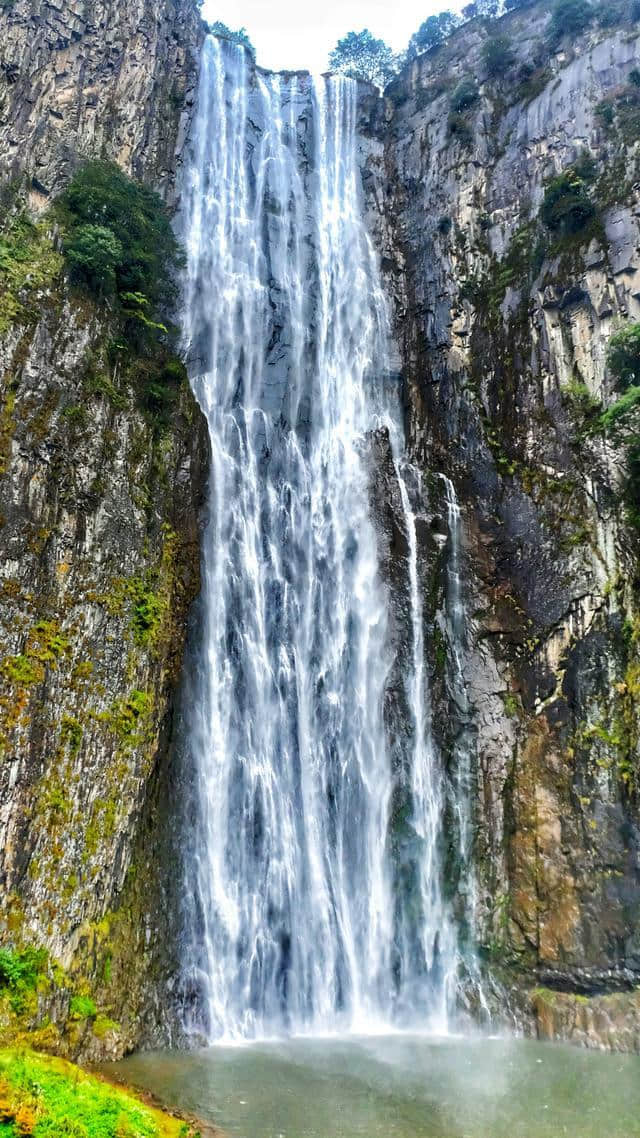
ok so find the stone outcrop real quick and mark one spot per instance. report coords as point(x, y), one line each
point(501, 329)
point(99, 534)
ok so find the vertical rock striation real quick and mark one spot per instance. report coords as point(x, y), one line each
point(501, 326)
point(99, 534)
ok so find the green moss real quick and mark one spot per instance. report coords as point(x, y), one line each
point(46, 642)
point(49, 1098)
point(511, 704)
point(129, 718)
point(71, 732)
point(103, 1026)
point(440, 651)
point(82, 1007)
point(22, 671)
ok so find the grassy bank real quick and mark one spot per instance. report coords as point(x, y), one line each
point(43, 1097)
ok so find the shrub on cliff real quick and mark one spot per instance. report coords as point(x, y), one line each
point(464, 96)
point(623, 356)
point(94, 253)
point(497, 56)
point(569, 17)
point(621, 420)
point(118, 243)
point(120, 228)
point(566, 206)
point(361, 56)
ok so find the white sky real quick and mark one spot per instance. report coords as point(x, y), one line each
point(299, 34)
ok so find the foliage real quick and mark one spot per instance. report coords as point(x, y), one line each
point(569, 17)
point(131, 227)
point(361, 56)
point(623, 355)
point(621, 420)
point(464, 95)
point(121, 246)
point(82, 1007)
point(497, 55)
point(433, 32)
point(240, 36)
point(566, 206)
point(459, 128)
point(49, 1098)
point(20, 971)
point(94, 253)
point(28, 264)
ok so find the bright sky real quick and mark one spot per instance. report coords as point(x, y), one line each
point(299, 34)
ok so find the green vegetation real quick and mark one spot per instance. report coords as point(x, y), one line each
point(82, 1007)
point(623, 356)
point(361, 56)
point(497, 55)
point(464, 95)
point(28, 264)
point(240, 35)
point(567, 208)
point(621, 109)
point(432, 33)
point(569, 17)
point(20, 973)
point(621, 420)
point(119, 245)
point(41, 1097)
point(119, 236)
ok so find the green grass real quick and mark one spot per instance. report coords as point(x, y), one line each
point(43, 1097)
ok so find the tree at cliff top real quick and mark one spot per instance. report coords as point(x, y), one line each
point(361, 56)
point(240, 35)
point(433, 32)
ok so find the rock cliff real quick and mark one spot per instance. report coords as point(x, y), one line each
point(99, 535)
point(501, 326)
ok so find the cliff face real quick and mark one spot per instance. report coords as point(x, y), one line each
point(99, 537)
point(501, 328)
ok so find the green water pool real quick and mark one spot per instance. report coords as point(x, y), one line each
point(400, 1087)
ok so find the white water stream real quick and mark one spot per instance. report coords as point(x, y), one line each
point(293, 918)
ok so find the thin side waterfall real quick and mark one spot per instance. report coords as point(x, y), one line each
point(292, 917)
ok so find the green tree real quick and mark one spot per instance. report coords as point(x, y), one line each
point(102, 196)
point(240, 35)
point(361, 56)
point(433, 32)
point(94, 253)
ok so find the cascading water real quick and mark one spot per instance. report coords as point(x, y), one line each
point(293, 920)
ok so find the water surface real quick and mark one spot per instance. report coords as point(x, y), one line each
point(400, 1087)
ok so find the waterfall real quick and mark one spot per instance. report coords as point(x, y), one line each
point(293, 921)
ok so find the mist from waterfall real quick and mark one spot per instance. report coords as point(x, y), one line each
point(293, 916)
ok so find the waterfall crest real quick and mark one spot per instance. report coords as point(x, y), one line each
point(294, 920)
